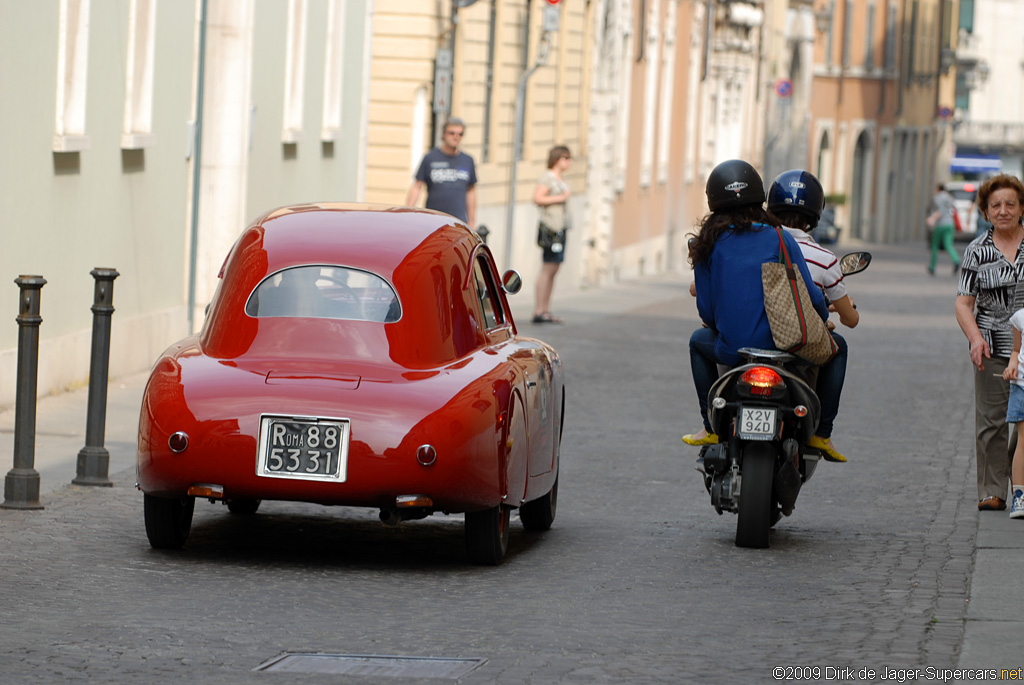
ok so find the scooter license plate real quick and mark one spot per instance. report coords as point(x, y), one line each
point(757, 423)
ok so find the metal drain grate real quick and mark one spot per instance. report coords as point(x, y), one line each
point(381, 666)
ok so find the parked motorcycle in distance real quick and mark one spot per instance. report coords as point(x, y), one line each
point(764, 412)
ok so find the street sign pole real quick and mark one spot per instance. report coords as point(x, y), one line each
point(550, 24)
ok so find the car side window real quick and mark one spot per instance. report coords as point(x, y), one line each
point(487, 294)
point(325, 292)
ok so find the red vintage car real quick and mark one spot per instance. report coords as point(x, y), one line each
point(363, 356)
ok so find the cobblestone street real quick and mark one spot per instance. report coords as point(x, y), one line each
point(638, 581)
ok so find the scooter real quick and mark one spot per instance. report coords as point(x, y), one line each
point(764, 412)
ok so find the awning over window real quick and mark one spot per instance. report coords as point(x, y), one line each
point(976, 164)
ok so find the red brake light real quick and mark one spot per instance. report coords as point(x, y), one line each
point(762, 380)
point(969, 187)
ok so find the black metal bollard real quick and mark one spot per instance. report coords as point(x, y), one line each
point(21, 486)
point(94, 459)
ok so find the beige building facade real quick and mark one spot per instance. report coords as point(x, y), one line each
point(874, 135)
point(143, 135)
point(495, 43)
point(156, 144)
point(648, 94)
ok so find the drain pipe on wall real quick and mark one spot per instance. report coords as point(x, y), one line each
point(197, 152)
point(543, 48)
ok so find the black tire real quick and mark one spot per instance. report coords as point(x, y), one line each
point(539, 514)
point(755, 511)
point(244, 507)
point(168, 520)
point(487, 535)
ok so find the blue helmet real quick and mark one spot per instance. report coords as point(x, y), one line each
point(797, 190)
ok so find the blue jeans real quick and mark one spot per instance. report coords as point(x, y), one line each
point(830, 386)
point(704, 368)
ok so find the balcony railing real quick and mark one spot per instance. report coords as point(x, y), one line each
point(968, 48)
point(989, 135)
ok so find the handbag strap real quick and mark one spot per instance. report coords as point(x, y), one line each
point(794, 285)
point(784, 255)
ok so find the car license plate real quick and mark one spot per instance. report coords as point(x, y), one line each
point(304, 448)
point(757, 423)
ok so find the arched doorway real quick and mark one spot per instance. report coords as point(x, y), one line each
point(824, 160)
point(860, 188)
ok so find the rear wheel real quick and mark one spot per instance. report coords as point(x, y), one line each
point(487, 535)
point(168, 520)
point(539, 514)
point(755, 511)
point(244, 507)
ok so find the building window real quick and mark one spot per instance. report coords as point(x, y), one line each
point(668, 78)
point(138, 89)
point(967, 15)
point(869, 33)
point(485, 153)
point(623, 107)
point(72, 68)
point(650, 95)
point(931, 49)
point(847, 32)
point(912, 41)
point(890, 39)
point(946, 35)
point(824, 158)
point(295, 72)
point(333, 72)
point(524, 29)
point(692, 94)
point(829, 47)
point(963, 92)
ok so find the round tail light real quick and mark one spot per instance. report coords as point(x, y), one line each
point(426, 455)
point(178, 442)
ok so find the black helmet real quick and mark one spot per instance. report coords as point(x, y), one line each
point(799, 191)
point(733, 184)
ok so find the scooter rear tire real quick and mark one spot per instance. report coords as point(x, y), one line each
point(754, 521)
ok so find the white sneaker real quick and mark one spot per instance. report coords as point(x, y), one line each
point(1017, 506)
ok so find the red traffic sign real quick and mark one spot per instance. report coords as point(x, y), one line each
point(783, 87)
point(554, 2)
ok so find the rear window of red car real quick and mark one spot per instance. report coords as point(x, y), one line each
point(325, 292)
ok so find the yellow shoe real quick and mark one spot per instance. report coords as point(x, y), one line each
point(708, 439)
point(827, 450)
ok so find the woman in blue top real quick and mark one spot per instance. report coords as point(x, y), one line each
point(735, 239)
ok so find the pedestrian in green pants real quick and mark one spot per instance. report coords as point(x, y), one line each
point(942, 209)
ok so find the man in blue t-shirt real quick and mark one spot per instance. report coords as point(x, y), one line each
point(449, 176)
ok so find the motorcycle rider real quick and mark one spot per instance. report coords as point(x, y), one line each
point(797, 199)
point(734, 240)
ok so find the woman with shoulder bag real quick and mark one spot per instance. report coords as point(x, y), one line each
point(551, 197)
point(734, 240)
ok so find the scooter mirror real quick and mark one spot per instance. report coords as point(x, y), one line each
point(854, 263)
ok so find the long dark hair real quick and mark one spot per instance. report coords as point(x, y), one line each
point(713, 225)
